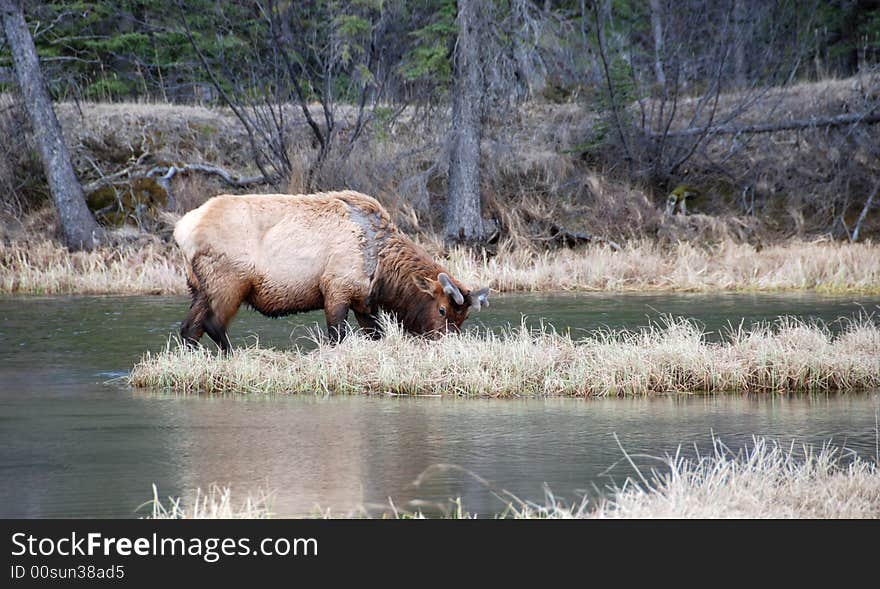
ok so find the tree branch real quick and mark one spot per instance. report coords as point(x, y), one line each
point(610, 82)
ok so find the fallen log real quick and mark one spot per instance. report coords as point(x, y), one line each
point(560, 236)
point(867, 118)
point(164, 174)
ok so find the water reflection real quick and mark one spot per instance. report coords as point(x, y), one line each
point(341, 453)
point(72, 445)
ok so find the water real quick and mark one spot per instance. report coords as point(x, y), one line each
point(73, 444)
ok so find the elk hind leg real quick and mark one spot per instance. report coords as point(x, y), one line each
point(193, 327)
point(225, 288)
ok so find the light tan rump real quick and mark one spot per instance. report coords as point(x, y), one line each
point(281, 253)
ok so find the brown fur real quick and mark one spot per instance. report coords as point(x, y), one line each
point(283, 254)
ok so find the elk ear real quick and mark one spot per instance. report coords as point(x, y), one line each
point(450, 289)
point(425, 284)
point(479, 299)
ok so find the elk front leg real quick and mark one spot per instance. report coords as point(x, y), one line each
point(336, 314)
point(369, 325)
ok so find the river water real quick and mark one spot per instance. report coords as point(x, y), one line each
point(75, 442)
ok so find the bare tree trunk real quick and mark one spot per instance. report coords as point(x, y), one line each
point(464, 221)
point(657, 28)
point(739, 42)
point(535, 75)
point(79, 227)
point(864, 213)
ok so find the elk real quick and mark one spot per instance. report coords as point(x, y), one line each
point(336, 251)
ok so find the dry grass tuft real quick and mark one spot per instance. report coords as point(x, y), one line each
point(787, 356)
point(763, 481)
point(216, 503)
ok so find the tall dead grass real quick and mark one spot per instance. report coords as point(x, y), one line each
point(151, 267)
point(46, 267)
point(821, 266)
point(787, 356)
point(763, 481)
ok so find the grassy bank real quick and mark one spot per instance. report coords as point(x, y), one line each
point(152, 267)
point(645, 265)
point(788, 356)
point(46, 267)
point(763, 481)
